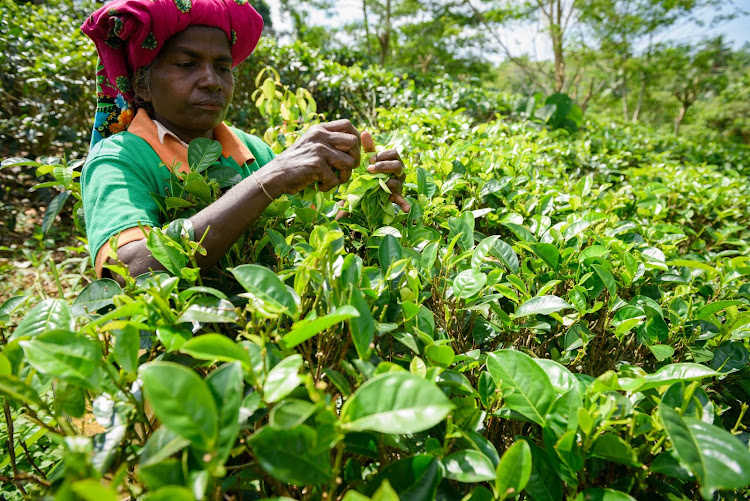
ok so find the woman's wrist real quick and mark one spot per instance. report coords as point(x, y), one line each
point(270, 180)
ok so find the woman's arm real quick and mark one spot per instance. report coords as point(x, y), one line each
point(325, 154)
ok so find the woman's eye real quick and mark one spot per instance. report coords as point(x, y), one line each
point(186, 64)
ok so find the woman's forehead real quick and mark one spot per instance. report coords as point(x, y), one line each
point(199, 40)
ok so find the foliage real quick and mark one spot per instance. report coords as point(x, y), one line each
point(559, 316)
point(47, 68)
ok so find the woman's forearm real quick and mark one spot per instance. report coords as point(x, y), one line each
point(226, 220)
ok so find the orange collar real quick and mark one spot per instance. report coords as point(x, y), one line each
point(171, 151)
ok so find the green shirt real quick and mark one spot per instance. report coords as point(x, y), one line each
point(120, 174)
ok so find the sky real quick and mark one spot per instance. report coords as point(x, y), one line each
point(528, 39)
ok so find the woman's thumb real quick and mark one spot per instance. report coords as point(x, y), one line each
point(368, 144)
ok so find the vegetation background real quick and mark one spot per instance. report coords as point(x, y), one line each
point(562, 316)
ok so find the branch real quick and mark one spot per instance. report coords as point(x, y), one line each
point(510, 57)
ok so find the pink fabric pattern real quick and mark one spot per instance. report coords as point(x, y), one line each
point(130, 33)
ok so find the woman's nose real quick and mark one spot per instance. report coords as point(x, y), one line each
point(209, 78)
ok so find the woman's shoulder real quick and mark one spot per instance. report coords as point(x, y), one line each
point(122, 144)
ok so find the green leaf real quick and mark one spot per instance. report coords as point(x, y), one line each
point(282, 379)
point(216, 347)
point(290, 412)
point(93, 490)
point(362, 326)
point(544, 484)
point(514, 470)
point(530, 392)
point(599, 494)
point(730, 356)
point(613, 448)
point(415, 478)
point(49, 315)
point(607, 278)
point(715, 307)
point(389, 251)
point(182, 401)
point(96, 296)
point(441, 355)
point(395, 402)
point(292, 455)
point(548, 253)
point(675, 372)
point(162, 444)
point(542, 305)
point(15, 389)
point(202, 152)
point(304, 330)
point(505, 254)
point(163, 250)
point(53, 209)
point(208, 310)
point(170, 493)
point(468, 283)
point(716, 457)
point(65, 355)
point(265, 286)
point(469, 466)
point(225, 384)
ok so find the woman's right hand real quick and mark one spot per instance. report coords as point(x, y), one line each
point(325, 154)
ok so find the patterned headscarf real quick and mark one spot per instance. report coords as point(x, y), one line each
point(130, 33)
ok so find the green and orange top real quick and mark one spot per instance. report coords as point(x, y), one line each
point(123, 170)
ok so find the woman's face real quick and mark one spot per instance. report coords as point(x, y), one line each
point(191, 83)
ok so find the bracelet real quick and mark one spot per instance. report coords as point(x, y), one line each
point(262, 187)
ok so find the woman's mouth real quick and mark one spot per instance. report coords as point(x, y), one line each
point(210, 105)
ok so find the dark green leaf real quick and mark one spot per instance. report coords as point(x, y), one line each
point(182, 401)
point(530, 391)
point(292, 455)
point(95, 296)
point(202, 152)
point(49, 315)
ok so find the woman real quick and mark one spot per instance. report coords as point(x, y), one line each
point(170, 61)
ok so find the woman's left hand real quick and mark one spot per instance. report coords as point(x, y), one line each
point(387, 162)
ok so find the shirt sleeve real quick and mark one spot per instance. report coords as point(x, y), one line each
point(116, 189)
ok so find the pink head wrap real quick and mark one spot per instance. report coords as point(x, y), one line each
point(130, 33)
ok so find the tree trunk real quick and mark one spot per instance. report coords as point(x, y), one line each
point(556, 33)
point(624, 88)
point(385, 38)
point(680, 117)
point(367, 28)
point(641, 93)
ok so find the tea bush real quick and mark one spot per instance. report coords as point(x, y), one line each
point(558, 317)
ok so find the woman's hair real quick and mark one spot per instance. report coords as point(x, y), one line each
point(141, 83)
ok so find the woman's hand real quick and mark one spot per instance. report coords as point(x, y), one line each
point(325, 154)
point(387, 162)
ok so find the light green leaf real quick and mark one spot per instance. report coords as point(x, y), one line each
point(397, 403)
point(304, 330)
point(282, 379)
point(542, 305)
point(468, 466)
point(514, 470)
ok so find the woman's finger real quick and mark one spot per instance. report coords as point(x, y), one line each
point(401, 201)
point(394, 167)
point(385, 155)
point(368, 143)
point(339, 160)
point(343, 142)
